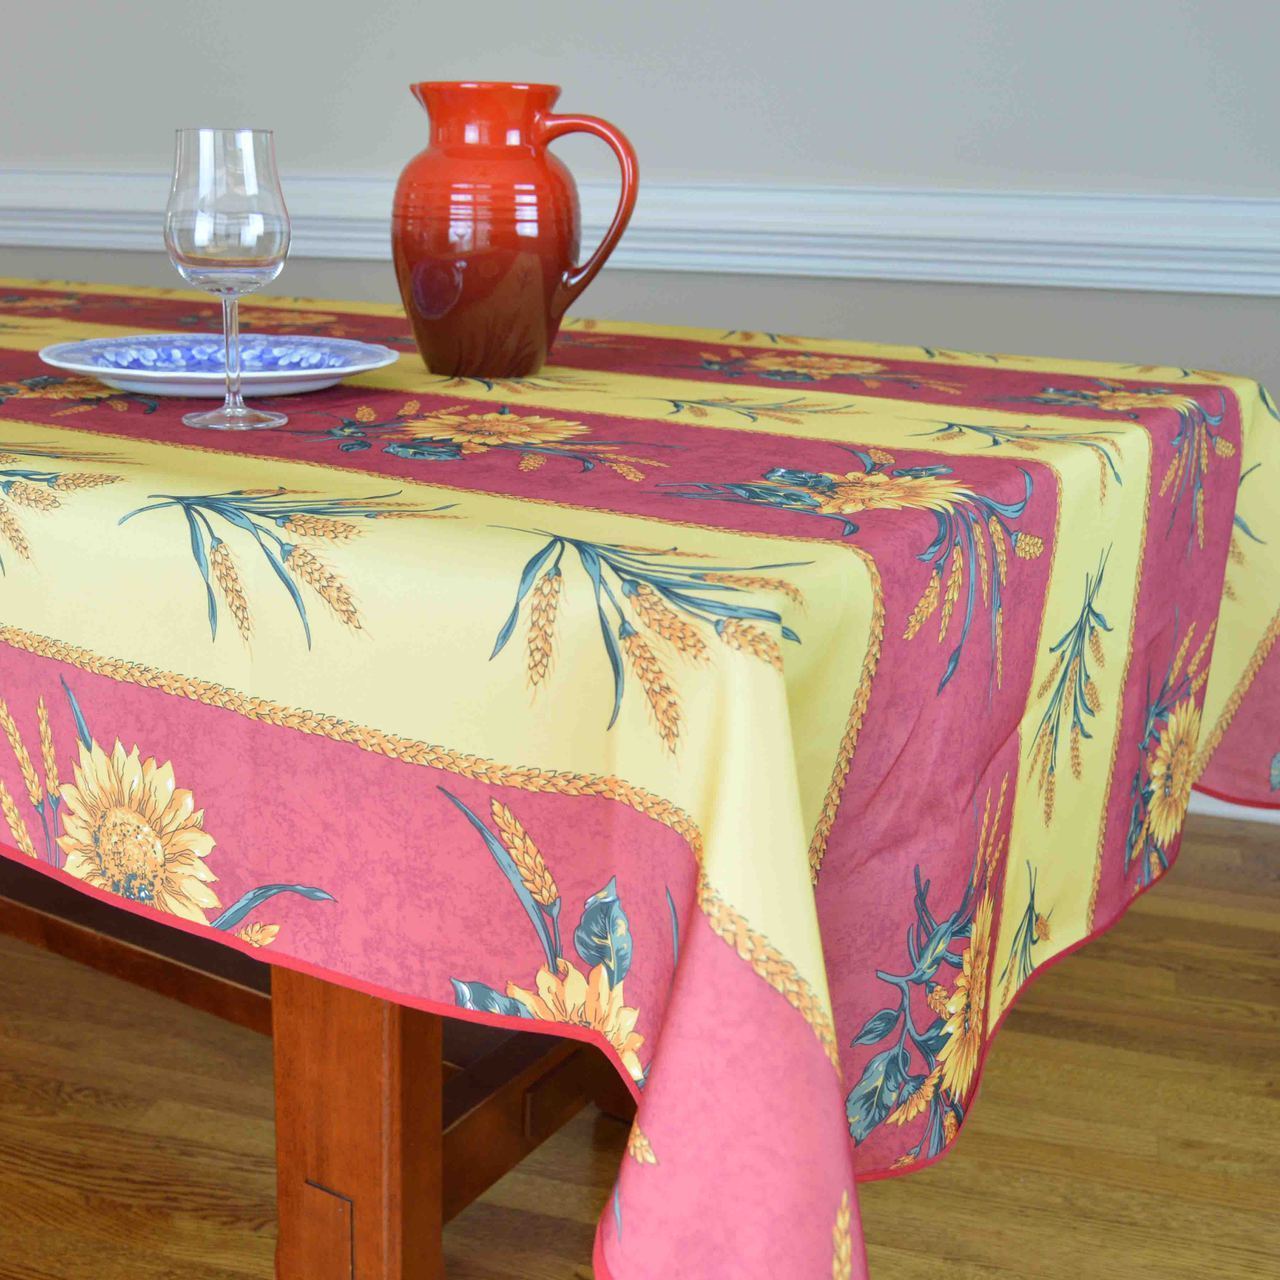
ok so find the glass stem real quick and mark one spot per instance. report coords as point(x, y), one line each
point(231, 332)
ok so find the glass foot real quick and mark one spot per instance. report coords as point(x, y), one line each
point(241, 419)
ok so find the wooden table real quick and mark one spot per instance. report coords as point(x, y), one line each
point(389, 1120)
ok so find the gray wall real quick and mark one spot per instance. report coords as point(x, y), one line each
point(1113, 95)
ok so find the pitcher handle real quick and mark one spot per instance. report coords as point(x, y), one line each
point(577, 278)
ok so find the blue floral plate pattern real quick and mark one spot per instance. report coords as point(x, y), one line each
point(193, 364)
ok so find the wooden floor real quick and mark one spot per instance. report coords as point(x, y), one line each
point(1128, 1126)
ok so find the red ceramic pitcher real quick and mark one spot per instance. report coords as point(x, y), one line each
point(485, 227)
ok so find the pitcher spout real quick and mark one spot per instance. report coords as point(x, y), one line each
point(484, 113)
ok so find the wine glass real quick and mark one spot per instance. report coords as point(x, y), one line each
point(227, 231)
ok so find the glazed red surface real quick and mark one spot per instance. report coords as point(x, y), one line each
point(485, 227)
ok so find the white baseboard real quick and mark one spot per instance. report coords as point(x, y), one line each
point(1185, 244)
point(1214, 808)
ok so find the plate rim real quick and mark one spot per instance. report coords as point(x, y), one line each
point(50, 355)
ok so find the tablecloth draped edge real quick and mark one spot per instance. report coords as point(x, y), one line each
point(1263, 806)
point(275, 959)
point(601, 1268)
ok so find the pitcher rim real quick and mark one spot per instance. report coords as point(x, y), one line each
point(486, 84)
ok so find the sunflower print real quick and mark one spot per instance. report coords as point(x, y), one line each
point(965, 1028)
point(480, 432)
point(83, 393)
point(1166, 771)
point(572, 998)
point(124, 826)
point(816, 366)
point(450, 436)
point(925, 1076)
point(588, 995)
point(882, 490)
point(1171, 772)
point(130, 830)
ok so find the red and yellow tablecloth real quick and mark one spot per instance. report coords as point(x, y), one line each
point(765, 710)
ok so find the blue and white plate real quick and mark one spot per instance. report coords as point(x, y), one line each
point(194, 364)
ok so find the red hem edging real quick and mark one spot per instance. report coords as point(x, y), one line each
point(991, 1035)
point(562, 1031)
point(598, 1264)
point(1271, 805)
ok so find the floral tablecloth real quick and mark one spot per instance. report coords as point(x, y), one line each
point(764, 710)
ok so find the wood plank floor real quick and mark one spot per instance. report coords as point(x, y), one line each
point(1129, 1123)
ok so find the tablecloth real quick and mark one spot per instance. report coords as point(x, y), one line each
point(764, 710)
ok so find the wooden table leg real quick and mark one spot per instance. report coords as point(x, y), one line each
point(358, 1135)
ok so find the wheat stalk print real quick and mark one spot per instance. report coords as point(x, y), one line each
point(941, 353)
point(561, 992)
point(547, 380)
point(1033, 928)
point(273, 522)
point(971, 548)
point(651, 605)
point(48, 756)
point(746, 637)
point(1240, 526)
point(1198, 439)
point(1168, 762)
point(38, 488)
point(1028, 438)
point(543, 611)
point(639, 1148)
point(42, 786)
point(792, 410)
point(16, 823)
point(530, 866)
point(842, 1241)
point(26, 766)
point(970, 551)
point(1073, 694)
